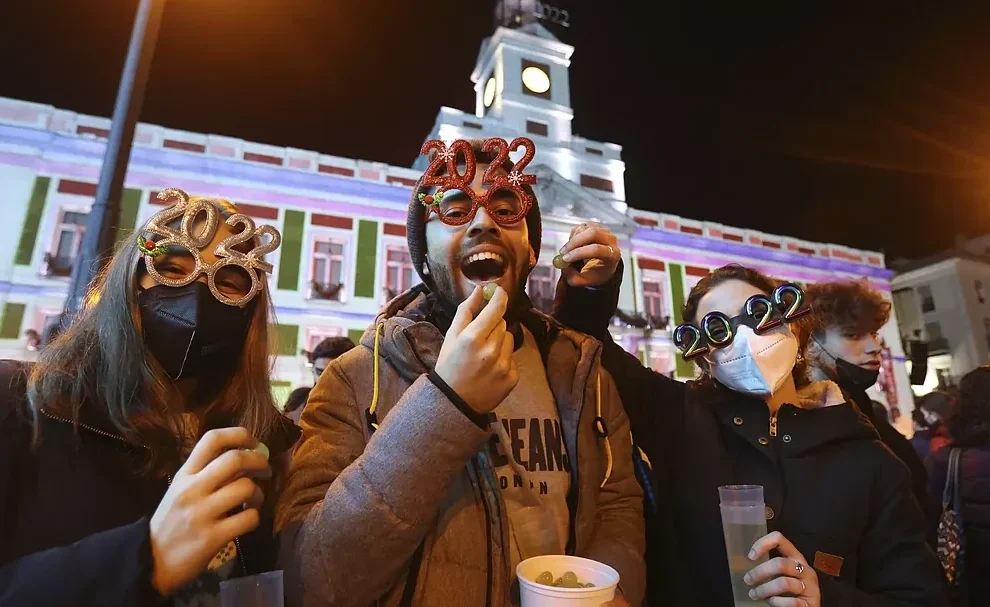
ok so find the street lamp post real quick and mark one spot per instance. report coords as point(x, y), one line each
point(98, 241)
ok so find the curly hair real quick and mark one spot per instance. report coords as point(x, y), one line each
point(969, 420)
point(849, 305)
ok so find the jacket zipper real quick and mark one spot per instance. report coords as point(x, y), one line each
point(237, 540)
point(773, 424)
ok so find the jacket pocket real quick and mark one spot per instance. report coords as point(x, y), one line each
point(829, 555)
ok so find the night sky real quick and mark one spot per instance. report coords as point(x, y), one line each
point(867, 126)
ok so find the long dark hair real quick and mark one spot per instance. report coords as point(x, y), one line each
point(99, 369)
point(969, 419)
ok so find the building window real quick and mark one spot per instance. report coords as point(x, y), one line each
point(399, 274)
point(328, 270)
point(594, 151)
point(927, 300)
point(317, 334)
point(662, 361)
point(980, 294)
point(655, 304)
point(537, 128)
point(68, 240)
point(541, 287)
point(937, 344)
point(597, 183)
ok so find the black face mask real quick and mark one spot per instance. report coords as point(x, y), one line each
point(191, 334)
point(850, 376)
point(853, 376)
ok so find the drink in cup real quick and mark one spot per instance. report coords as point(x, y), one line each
point(744, 521)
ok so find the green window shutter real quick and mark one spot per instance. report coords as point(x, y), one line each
point(129, 204)
point(291, 257)
point(29, 232)
point(676, 273)
point(286, 340)
point(10, 322)
point(366, 264)
point(280, 392)
point(355, 335)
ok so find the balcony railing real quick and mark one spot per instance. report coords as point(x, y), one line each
point(327, 292)
point(55, 266)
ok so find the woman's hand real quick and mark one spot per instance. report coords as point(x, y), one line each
point(191, 524)
point(784, 581)
point(594, 244)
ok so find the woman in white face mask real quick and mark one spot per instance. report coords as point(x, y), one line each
point(844, 526)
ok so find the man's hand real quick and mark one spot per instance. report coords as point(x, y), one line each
point(598, 247)
point(475, 359)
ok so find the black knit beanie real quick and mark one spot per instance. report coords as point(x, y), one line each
point(416, 221)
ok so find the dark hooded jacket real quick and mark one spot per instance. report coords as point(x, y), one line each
point(831, 486)
point(75, 510)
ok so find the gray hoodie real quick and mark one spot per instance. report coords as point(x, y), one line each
point(360, 510)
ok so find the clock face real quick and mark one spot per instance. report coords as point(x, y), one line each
point(536, 80)
point(489, 92)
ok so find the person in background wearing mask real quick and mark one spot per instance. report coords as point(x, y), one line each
point(928, 418)
point(321, 356)
point(463, 435)
point(133, 460)
point(839, 341)
point(845, 529)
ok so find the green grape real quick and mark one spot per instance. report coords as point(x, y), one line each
point(569, 578)
point(545, 578)
point(559, 263)
point(558, 582)
point(489, 291)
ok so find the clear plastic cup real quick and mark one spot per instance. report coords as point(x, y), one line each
point(744, 520)
point(262, 590)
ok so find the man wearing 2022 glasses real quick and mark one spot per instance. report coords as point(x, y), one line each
point(463, 435)
point(844, 527)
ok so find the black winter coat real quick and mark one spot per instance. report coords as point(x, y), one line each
point(75, 512)
point(974, 489)
point(830, 485)
point(904, 450)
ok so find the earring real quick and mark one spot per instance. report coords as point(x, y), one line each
point(426, 270)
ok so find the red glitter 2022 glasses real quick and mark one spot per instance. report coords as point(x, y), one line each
point(455, 202)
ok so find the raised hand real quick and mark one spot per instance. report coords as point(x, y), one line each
point(594, 244)
point(476, 357)
point(784, 581)
point(191, 524)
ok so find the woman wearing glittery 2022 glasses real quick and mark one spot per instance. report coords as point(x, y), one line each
point(844, 526)
point(133, 461)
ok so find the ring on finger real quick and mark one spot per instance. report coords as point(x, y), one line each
point(799, 567)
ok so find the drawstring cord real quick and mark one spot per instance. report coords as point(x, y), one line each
point(372, 418)
point(602, 429)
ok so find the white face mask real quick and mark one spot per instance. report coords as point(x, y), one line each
point(755, 364)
